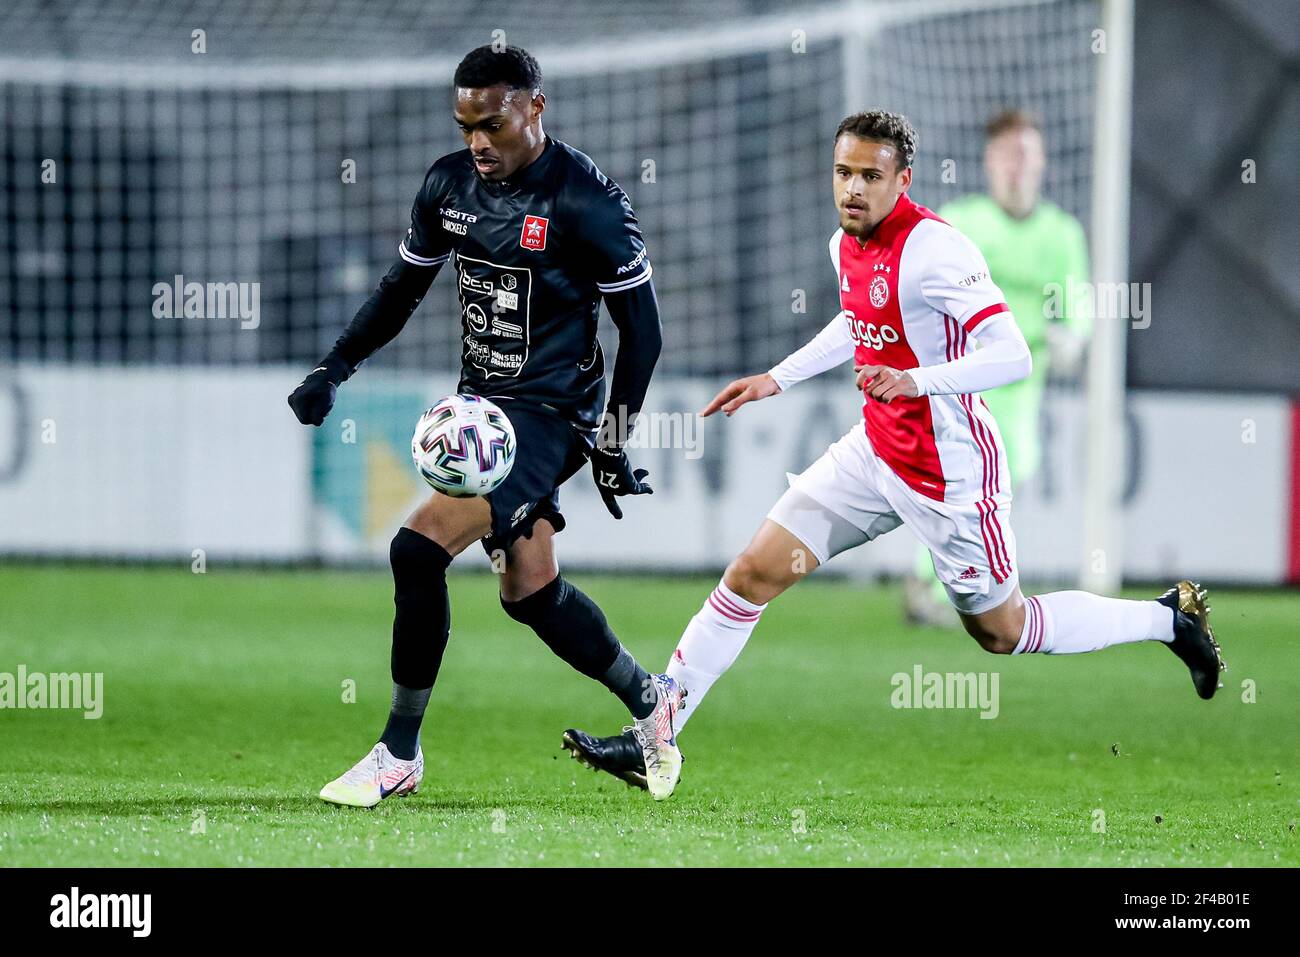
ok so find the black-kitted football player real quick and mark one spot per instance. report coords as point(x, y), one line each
point(538, 237)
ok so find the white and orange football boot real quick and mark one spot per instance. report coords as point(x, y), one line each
point(376, 776)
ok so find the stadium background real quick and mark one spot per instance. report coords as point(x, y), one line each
point(228, 166)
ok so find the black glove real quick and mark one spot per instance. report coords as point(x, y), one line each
point(314, 397)
point(614, 476)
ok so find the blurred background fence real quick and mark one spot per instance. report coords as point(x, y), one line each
point(281, 146)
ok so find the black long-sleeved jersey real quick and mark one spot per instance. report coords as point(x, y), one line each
point(534, 254)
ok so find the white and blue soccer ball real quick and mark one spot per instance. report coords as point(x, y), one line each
point(464, 446)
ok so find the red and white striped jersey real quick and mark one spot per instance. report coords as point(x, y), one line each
point(912, 296)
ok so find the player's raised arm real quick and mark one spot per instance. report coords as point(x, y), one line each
point(420, 255)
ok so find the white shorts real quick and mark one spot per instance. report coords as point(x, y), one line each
point(849, 496)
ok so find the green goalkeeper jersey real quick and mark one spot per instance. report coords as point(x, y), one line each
point(1032, 260)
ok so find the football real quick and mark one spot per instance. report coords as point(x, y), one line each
point(463, 446)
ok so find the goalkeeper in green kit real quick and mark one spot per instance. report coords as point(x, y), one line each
point(1034, 250)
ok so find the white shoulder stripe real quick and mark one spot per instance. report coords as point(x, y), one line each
point(415, 260)
point(626, 283)
point(835, 250)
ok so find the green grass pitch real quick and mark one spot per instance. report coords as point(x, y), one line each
point(224, 715)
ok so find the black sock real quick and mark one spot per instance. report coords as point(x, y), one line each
point(421, 626)
point(402, 733)
point(574, 627)
point(633, 685)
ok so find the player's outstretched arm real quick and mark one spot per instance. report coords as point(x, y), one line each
point(376, 323)
point(831, 347)
point(737, 393)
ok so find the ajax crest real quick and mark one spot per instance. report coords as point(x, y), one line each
point(879, 292)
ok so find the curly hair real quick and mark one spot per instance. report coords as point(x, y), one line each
point(892, 128)
point(485, 66)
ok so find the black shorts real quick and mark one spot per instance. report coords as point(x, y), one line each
point(548, 451)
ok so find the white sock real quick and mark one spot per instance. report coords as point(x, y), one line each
point(710, 645)
point(1071, 622)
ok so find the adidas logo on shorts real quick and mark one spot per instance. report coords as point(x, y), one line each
point(969, 574)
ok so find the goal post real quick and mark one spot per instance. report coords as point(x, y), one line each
point(1106, 463)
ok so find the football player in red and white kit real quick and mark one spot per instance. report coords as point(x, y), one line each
point(916, 300)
